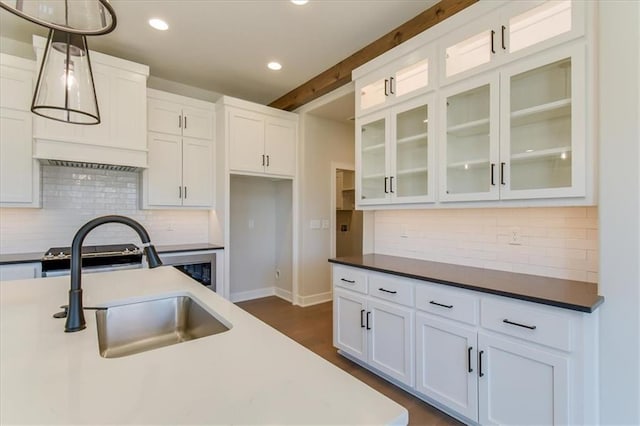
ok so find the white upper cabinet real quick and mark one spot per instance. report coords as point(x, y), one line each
point(259, 140)
point(409, 76)
point(395, 161)
point(178, 119)
point(19, 172)
point(181, 167)
point(518, 133)
point(121, 136)
point(519, 28)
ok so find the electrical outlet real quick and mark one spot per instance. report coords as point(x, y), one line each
point(325, 223)
point(515, 236)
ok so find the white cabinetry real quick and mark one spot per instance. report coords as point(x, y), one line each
point(395, 160)
point(20, 271)
point(516, 29)
point(403, 78)
point(518, 133)
point(19, 172)
point(377, 332)
point(180, 169)
point(259, 143)
point(481, 358)
point(121, 137)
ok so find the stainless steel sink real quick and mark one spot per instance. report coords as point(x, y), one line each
point(139, 327)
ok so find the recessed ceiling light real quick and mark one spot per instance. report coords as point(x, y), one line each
point(158, 24)
point(299, 2)
point(274, 66)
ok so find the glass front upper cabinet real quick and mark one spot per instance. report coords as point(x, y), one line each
point(374, 180)
point(470, 149)
point(523, 26)
point(405, 77)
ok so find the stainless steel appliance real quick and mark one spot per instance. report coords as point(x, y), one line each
point(101, 258)
point(199, 265)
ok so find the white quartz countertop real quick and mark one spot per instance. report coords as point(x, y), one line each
point(251, 374)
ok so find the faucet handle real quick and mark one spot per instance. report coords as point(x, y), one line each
point(62, 314)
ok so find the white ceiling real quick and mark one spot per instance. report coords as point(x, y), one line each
point(224, 45)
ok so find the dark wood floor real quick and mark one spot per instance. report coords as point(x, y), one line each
point(312, 328)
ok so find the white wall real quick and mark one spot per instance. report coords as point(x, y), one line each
point(72, 196)
point(619, 160)
point(260, 242)
point(555, 242)
point(324, 141)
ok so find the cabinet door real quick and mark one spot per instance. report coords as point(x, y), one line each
point(391, 340)
point(164, 175)
point(280, 147)
point(16, 156)
point(197, 173)
point(16, 87)
point(349, 323)
point(469, 168)
point(372, 145)
point(128, 114)
point(446, 364)
point(164, 116)
point(412, 74)
point(470, 49)
point(412, 159)
point(542, 139)
point(20, 271)
point(520, 384)
point(98, 134)
point(246, 141)
point(197, 123)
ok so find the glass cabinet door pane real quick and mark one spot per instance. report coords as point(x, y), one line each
point(411, 78)
point(468, 53)
point(373, 94)
point(373, 160)
point(412, 152)
point(468, 142)
point(540, 130)
point(541, 23)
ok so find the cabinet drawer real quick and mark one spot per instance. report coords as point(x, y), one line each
point(395, 290)
point(532, 323)
point(449, 303)
point(351, 278)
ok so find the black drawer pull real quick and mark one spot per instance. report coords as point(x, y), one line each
point(361, 318)
point(387, 291)
point(368, 313)
point(440, 304)
point(480, 373)
point(348, 281)
point(469, 349)
point(530, 327)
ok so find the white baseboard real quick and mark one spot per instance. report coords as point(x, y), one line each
point(314, 299)
point(241, 296)
point(283, 294)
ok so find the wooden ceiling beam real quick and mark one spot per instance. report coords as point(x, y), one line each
point(340, 74)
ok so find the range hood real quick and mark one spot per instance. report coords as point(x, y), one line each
point(84, 165)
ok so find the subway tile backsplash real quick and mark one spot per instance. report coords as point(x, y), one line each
point(556, 242)
point(72, 196)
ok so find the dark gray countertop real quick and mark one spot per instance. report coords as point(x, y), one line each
point(9, 258)
point(187, 247)
point(12, 258)
point(574, 295)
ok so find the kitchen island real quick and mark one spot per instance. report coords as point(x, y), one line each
point(250, 374)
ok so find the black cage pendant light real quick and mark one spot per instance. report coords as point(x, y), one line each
point(65, 90)
point(87, 17)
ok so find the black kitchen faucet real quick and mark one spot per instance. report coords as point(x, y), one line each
point(75, 315)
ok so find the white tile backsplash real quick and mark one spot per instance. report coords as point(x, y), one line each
point(557, 242)
point(72, 196)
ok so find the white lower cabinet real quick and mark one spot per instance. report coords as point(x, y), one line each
point(20, 271)
point(446, 364)
point(374, 331)
point(521, 384)
point(482, 358)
